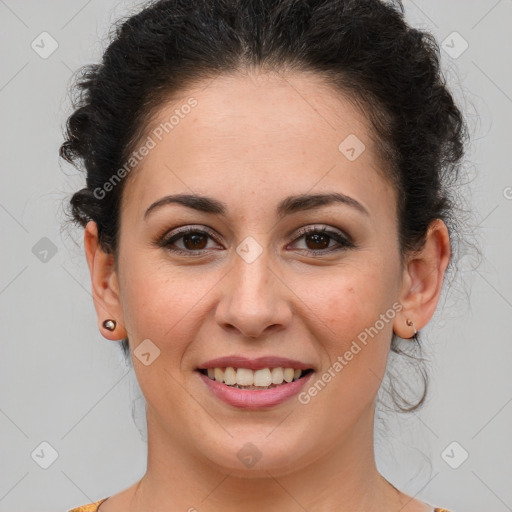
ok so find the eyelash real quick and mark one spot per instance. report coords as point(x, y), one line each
point(343, 241)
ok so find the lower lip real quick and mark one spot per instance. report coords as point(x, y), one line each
point(253, 398)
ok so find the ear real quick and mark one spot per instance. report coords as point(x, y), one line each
point(423, 280)
point(105, 285)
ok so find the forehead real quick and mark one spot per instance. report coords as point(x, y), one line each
point(240, 136)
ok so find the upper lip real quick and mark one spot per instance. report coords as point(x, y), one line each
point(254, 364)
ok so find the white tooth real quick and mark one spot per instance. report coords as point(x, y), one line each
point(288, 374)
point(262, 377)
point(277, 375)
point(244, 377)
point(230, 376)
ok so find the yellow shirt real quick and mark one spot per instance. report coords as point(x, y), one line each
point(93, 507)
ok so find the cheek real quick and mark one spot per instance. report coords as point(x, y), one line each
point(353, 321)
point(344, 312)
point(356, 341)
point(164, 302)
point(349, 299)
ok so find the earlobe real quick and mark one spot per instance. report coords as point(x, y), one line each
point(105, 288)
point(423, 280)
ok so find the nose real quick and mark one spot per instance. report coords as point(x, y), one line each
point(254, 300)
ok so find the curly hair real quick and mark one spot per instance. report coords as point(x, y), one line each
point(362, 48)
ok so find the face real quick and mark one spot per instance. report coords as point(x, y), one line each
point(251, 280)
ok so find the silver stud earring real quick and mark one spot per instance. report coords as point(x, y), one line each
point(109, 324)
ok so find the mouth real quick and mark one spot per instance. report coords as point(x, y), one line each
point(262, 388)
point(255, 380)
point(254, 383)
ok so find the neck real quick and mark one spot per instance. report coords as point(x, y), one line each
point(344, 478)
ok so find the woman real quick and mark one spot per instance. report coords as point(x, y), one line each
point(266, 217)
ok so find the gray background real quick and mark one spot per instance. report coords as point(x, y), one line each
point(62, 383)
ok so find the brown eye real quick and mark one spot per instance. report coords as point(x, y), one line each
point(318, 241)
point(194, 241)
point(187, 241)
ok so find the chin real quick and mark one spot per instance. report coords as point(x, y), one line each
point(253, 453)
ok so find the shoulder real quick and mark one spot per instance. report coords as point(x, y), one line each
point(91, 507)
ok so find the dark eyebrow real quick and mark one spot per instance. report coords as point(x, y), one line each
point(289, 205)
point(303, 202)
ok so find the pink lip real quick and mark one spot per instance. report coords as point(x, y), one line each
point(254, 364)
point(253, 398)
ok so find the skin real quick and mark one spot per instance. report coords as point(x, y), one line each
point(251, 141)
